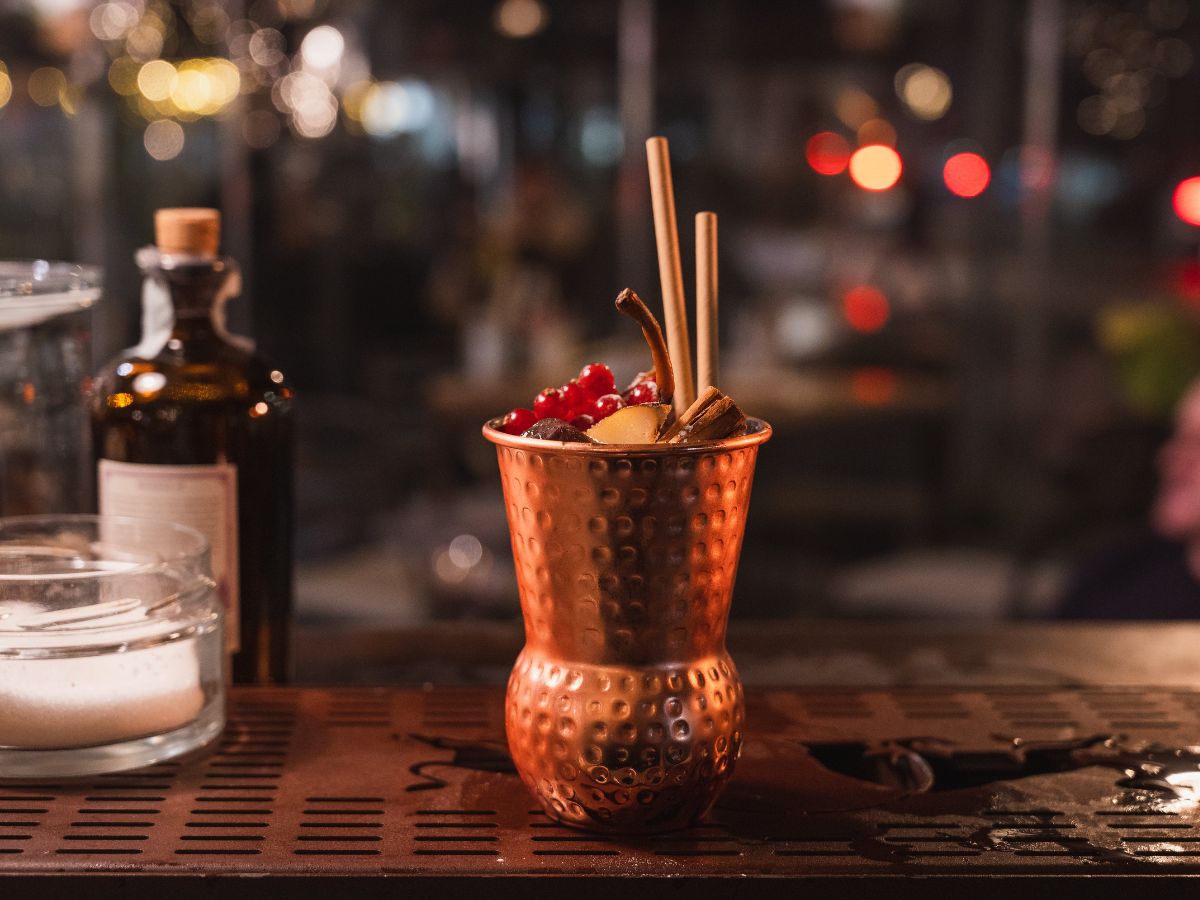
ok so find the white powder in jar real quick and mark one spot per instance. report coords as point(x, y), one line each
point(91, 700)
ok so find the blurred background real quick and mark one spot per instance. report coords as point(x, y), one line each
point(959, 267)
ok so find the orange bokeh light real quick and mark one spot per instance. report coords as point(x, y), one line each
point(865, 308)
point(827, 152)
point(875, 167)
point(873, 385)
point(1187, 200)
point(966, 174)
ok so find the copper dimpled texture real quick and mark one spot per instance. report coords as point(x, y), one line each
point(624, 710)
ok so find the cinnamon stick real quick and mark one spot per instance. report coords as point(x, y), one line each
point(720, 419)
point(713, 416)
point(702, 402)
point(630, 304)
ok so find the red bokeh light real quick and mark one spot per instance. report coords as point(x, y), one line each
point(865, 308)
point(873, 385)
point(827, 152)
point(1187, 200)
point(1184, 281)
point(875, 167)
point(966, 174)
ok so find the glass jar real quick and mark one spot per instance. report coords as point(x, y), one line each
point(45, 348)
point(110, 645)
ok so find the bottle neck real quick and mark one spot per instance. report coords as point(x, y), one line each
point(193, 288)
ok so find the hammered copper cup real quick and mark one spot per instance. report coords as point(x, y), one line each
point(624, 710)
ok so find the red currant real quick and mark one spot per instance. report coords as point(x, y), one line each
point(583, 422)
point(549, 404)
point(597, 380)
point(574, 398)
point(607, 405)
point(517, 421)
point(643, 392)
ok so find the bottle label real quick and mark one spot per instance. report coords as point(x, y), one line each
point(201, 497)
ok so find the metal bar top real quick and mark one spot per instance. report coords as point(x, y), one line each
point(837, 787)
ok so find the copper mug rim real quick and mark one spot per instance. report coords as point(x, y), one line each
point(759, 433)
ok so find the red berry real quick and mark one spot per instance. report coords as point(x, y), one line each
point(517, 421)
point(575, 398)
point(643, 392)
point(549, 404)
point(597, 380)
point(607, 405)
point(583, 422)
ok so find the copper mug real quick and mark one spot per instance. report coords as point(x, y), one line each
point(624, 710)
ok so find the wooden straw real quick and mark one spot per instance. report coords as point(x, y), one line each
point(670, 270)
point(706, 301)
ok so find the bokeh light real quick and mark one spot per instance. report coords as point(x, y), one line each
point(354, 98)
point(209, 22)
point(1186, 200)
point(391, 108)
point(854, 106)
point(1173, 57)
point(1096, 115)
point(520, 18)
point(163, 139)
point(312, 105)
point(865, 308)
point(123, 75)
point(1129, 125)
point(297, 9)
point(112, 21)
point(874, 385)
point(925, 90)
point(827, 152)
point(46, 85)
point(966, 174)
point(203, 87)
point(601, 140)
point(1185, 281)
point(225, 81)
point(1036, 167)
point(266, 47)
point(156, 80)
point(191, 91)
point(875, 167)
point(315, 120)
point(145, 42)
point(5, 86)
point(69, 99)
point(322, 47)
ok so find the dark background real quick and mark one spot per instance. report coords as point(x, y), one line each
point(435, 204)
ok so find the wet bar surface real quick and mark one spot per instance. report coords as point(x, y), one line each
point(834, 786)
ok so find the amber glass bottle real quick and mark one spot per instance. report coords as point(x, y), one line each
point(193, 426)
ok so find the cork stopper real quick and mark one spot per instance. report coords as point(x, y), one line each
point(188, 230)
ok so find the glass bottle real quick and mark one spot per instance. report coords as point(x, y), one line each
point(193, 426)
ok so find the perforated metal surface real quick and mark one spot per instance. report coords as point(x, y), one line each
point(406, 782)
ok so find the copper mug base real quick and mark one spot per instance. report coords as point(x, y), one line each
point(624, 711)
